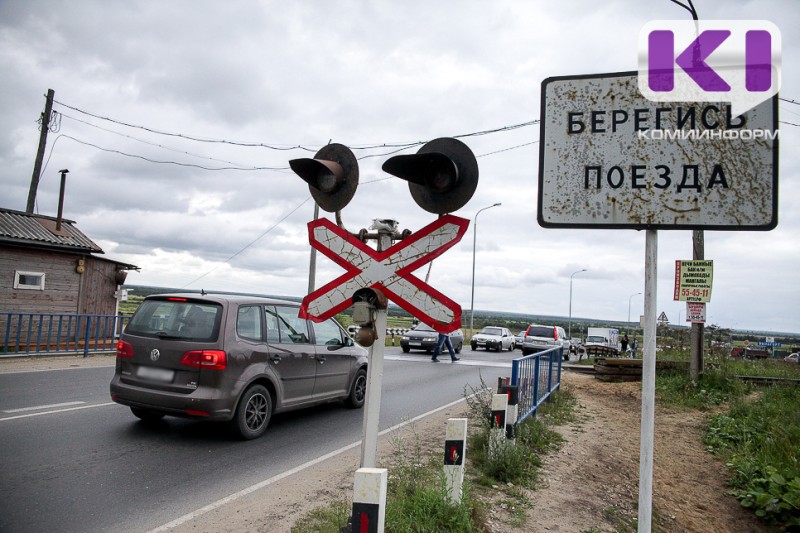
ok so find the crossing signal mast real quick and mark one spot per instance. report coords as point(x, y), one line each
point(442, 177)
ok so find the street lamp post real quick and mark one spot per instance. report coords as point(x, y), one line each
point(629, 305)
point(474, 241)
point(569, 327)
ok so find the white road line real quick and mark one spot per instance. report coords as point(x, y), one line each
point(40, 407)
point(445, 359)
point(235, 496)
point(6, 419)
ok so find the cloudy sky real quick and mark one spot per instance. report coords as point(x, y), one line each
point(177, 120)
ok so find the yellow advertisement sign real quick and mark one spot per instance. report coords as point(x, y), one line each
point(693, 280)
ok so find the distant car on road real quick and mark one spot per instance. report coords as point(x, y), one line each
point(423, 337)
point(519, 339)
point(539, 337)
point(233, 358)
point(792, 358)
point(493, 338)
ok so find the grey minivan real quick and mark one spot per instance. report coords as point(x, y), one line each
point(233, 358)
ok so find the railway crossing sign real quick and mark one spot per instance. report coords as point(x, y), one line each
point(389, 270)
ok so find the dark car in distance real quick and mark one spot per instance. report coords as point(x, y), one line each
point(424, 337)
point(233, 358)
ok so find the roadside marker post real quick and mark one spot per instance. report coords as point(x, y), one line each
point(455, 448)
point(512, 410)
point(369, 500)
point(497, 433)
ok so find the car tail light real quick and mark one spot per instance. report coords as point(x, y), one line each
point(210, 359)
point(124, 350)
point(555, 333)
point(173, 299)
point(195, 412)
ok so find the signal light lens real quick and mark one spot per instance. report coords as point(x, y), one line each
point(208, 359)
point(124, 350)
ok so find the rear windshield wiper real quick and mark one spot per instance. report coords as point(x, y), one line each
point(165, 335)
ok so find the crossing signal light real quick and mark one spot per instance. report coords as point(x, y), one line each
point(332, 176)
point(442, 176)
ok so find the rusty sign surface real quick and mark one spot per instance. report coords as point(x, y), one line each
point(389, 270)
point(610, 158)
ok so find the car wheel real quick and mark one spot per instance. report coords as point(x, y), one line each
point(526, 352)
point(358, 392)
point(406, 349)
point(253, 412)
point(511, 347)
point(460, 347)
point(146, 415)
point(473, 347)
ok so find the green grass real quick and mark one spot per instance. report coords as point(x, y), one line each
point(758, 438)
point(417, 499)
point(757, 435)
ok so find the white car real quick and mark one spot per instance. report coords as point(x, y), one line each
point(493, 338)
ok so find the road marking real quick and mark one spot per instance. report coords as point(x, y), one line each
point(244, 492)
point(462, 362)
point(40, 407)
point(6, 419)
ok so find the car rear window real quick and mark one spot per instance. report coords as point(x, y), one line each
point(541, 331)
point(179, 319)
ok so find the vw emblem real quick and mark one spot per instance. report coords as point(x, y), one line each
point(155, 354)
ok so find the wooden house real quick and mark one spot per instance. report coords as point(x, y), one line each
point(47, 265)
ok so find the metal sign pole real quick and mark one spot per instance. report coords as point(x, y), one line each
point(372, 406)
point(648, 382)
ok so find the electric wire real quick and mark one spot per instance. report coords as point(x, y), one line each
point(228, 260)
point(156, 145)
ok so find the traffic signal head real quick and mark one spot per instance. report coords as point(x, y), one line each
point(442, 175)
point(332, 176)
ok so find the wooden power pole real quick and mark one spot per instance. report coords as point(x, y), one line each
point(696, 337)
point(37, 167)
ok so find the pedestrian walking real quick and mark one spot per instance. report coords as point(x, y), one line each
point(624, 343)
point(444, 339)
point(634, 347)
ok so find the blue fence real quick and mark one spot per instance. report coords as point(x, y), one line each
point(536, 377)
point(44, 333)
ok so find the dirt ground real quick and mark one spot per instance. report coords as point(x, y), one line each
point(591, 484)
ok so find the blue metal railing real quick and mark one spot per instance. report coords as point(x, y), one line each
point(536, 377)
point(52, 333)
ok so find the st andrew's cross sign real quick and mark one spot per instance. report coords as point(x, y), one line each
point(389, 270)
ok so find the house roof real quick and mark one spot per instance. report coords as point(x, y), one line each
point(37, 231)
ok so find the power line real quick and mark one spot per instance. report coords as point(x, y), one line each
point(181, 135)
point(149, 160)
point(156, 145)
point(287, 215)
point(373, 146)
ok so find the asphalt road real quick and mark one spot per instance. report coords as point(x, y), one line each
point(73, 461)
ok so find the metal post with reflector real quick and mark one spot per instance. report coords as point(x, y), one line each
point(442, 175)
point(332, 176)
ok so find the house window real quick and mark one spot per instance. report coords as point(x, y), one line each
point(29, 280)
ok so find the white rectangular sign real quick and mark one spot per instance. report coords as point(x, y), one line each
point(610, 158)
point(696, 312)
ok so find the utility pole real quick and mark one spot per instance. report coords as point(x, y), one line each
point(37, 167)
point(696, 336)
